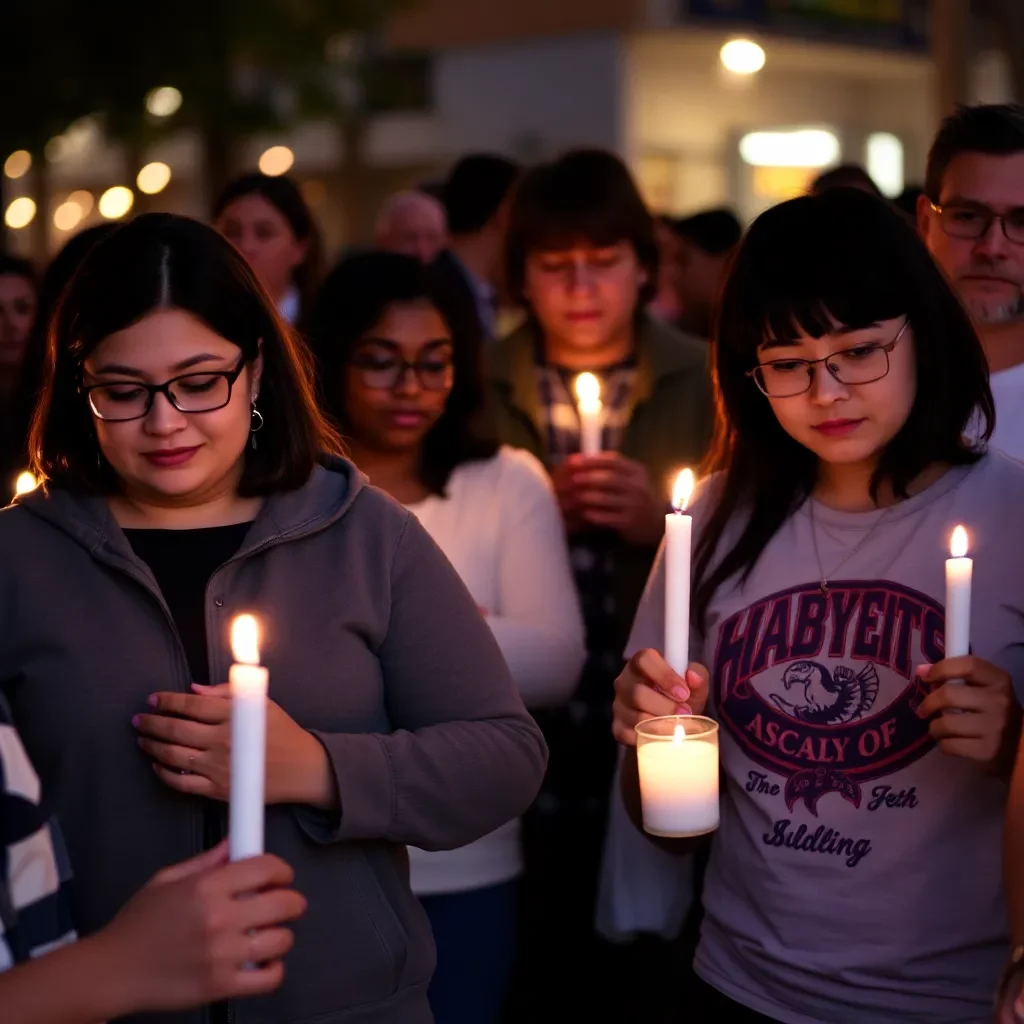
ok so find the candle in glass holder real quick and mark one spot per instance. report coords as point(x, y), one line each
point(248, 681)
point(677, 757)
point(959, 570)
point(590, 409)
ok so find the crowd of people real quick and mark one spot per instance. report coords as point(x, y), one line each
point(463, 611)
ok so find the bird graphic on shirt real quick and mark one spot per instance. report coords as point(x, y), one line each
point(828, 698)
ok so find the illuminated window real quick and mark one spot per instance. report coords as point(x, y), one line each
point(884, 159)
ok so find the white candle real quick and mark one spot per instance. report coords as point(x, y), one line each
point(959, 570)
point(588, 404)
point(248, 681)
point(677, 575)
point(679, 782)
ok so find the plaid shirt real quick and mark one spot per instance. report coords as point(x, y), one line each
point(35, 913)
point(582, 751)
point(562, 419)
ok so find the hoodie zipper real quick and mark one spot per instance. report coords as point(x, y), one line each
point(218, 1013)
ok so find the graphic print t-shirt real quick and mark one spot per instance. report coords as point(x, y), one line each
point(856, 875)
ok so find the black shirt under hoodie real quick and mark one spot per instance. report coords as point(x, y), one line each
point(183, 562)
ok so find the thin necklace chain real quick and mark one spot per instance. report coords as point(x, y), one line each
point(823, 576)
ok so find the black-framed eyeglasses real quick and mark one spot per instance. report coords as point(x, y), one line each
point(126, 400)
point(859, 364)
point(384, 370)
point(973, 221)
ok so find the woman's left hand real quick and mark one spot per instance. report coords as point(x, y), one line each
point(985, 722)
point(188, 736)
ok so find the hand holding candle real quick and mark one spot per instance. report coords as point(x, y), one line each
point(959, 570)
point(678, 527)
point(591, 413)
point(248, 683)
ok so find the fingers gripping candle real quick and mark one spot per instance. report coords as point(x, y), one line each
point(248, 682)
point(959, 570)
point(678, 526)
point(588, 404)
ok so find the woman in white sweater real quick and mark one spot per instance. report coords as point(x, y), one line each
point(399, 352)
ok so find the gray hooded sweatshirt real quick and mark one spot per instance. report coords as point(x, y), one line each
point(372, 643)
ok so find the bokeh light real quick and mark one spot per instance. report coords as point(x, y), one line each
point(153, 178)
point(276, 161)
point(742, 56)
point(116, 202)
point(163, 102)
point(18, 163)
point(20, 213)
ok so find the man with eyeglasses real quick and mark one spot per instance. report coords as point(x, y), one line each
point(971, 216)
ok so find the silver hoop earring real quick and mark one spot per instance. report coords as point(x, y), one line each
point(256, 425)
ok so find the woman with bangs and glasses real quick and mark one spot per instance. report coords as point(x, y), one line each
point(399, 349)
point(855, 877)
point(188, 476)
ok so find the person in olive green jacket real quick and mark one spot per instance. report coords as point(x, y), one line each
point(582, 259)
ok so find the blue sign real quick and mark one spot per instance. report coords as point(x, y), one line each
point(901, 24)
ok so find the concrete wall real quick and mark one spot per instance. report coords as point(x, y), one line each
point(530, 99)
point(444, 24)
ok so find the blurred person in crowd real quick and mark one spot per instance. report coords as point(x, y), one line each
point(972, 219)
point(399, 348)
point(270, 223)
point(583, 259)
point(433, 187)
point(666, 305)
point(412, 224)
point(476, 198)
point(707, 241)
point(1010, 1001)
point(906, 202)
point(18, 301)
point(191, 935)
point(187, 476)
point(59, 272)
point(1010, 996)
point(846, 176)
point(863, 761)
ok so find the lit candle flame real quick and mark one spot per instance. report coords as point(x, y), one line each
point(958, 543)
point(245, 640)
point(683, 490)
point(25, 483)
point(588, 393)
point(679, 734)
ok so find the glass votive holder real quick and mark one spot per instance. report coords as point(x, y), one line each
point(677, 756)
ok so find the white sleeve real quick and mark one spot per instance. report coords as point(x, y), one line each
point(537, 622)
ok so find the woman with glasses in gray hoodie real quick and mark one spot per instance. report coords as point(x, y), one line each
point(189, 477)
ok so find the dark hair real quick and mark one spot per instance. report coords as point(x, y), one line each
point(994, 129)
point(284, 195)
point(587, 195)
point(906, 201)
point(354, 297)
point(60, 271)
point(475, 189)
point(845, 176)
point(714, 231)
point(804, 265)
point(160, 261)
point(15, 266)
